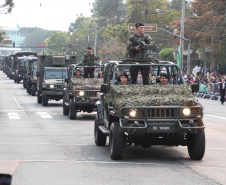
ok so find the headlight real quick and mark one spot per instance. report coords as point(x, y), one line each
point(133, 113)
point(81, 93)
point(52, 86)
point(13, 73)
point(19, 75)
point(186, 111)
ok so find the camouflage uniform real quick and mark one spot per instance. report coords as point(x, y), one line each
point(133, 53)
point(88, 59)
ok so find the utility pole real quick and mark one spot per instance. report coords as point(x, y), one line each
point(182, 33)
point(95, 43)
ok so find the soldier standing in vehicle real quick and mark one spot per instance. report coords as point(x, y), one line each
point(136, 49)
point(78, 74)
point(88, 60)
point(163, 78)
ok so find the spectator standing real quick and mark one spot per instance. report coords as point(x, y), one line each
point(222, 90)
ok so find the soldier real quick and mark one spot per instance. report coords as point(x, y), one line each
point(88, 60)
point(78, 73)
point(136, 49)
point(123, 79)
point(163, 78)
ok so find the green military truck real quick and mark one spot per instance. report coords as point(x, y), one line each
point(51, 73)
point(14, 61)
point(80, 94)
point(31, 62)
point(147, 115)
point(32, 81)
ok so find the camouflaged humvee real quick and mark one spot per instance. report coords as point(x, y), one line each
point(148, 115)
point(80, 94)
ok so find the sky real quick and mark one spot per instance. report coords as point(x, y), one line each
point(46, 14)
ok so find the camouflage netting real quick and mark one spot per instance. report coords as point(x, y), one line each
point(150, 95)
point(87, 83)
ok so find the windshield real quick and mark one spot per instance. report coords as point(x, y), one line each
point(55, 73)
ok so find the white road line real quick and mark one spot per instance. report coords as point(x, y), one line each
point(17, 102)
point(44, 115)
point(215, 116)
point(13, 115)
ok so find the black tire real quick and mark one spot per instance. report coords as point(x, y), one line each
point(44, 100)
point(99, 137)
point(17, 80)
point(14, 79)
point(116, 142)
point(33, 90)
point(72, 109)
point(39, 98)
point(24, 82)
point(27, 87)
point(65, 108)
point(196, 146)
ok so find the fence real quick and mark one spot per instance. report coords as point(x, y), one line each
point(211, 91)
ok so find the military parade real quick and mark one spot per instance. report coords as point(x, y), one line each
point(138, 98)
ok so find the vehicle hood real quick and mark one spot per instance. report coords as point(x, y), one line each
point(53, 81)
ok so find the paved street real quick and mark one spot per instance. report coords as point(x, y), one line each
point(39, 145)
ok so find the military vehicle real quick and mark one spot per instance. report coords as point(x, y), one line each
point(31, 83)
point(51, 73)
point(147, 115)
point(30, 63)
point(14, 61)
point(80, 94)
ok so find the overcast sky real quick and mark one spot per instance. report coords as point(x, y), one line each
point(46, 14)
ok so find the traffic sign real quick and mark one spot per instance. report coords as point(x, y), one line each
point(7, 42)
point(40, 45)
point(147, 27)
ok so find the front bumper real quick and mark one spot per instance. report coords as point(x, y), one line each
point(159, 119)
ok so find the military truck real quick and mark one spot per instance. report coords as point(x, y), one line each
point(147, 115)
point(31, 83)
point(51, 73)
point(30, 63)
point(14, 62)
point(80, 94)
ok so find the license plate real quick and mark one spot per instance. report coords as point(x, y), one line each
point(161, 128)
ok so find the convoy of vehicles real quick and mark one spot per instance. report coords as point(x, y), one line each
point(130, 115)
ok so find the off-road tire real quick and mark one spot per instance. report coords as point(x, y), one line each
point(99, 137)
point(196, 146)
point(17, 80)
point(33, 90)
point(72, 109)
point(39, 98)
point(115, 142)
point(27, 87)
point(14, 79)
point(24, 82)
point(65, 108)
point(44, 100)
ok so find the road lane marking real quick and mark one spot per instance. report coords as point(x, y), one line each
point(17, 102)
point(44, 115)
point(13, 115)
point(215, 116)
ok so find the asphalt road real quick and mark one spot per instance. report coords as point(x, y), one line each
point(39, 145)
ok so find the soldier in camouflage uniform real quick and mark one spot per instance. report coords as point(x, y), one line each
point(88, 60)
point(134, 50)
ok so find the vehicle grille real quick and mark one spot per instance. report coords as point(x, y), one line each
point(92, 93)
point(162, 113)
point(59, 86)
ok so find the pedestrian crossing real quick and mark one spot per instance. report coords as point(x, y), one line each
point(17, 116)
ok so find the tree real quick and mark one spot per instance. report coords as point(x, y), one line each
point(2, 34)
point(37, 36)
point(6, 7)
point(58, 42)
point(27, 30)
point(166, 54)
point(206, 29)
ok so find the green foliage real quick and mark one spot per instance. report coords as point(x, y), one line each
point(166, 54)
point(36, 36)
point(27, 30)
point(2, 34)
point(57, 42)
point(6, 7)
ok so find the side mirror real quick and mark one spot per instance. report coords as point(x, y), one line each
point(66, 80)
point(104, 88)
point(5, 179)
point(37, 74)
